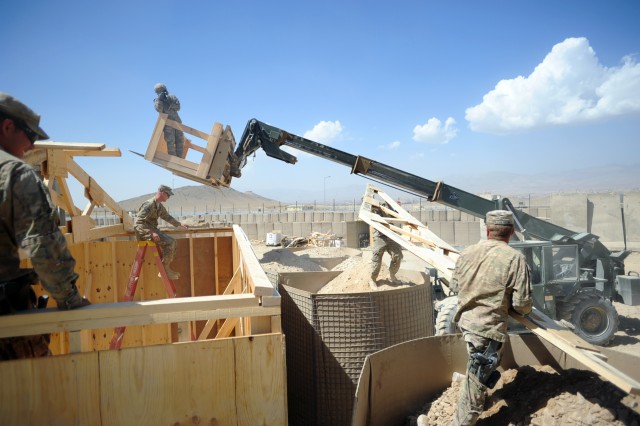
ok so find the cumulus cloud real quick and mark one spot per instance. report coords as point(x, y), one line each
point(434, 132)
point(568, 86)
point(324, 132)
point(391, 146)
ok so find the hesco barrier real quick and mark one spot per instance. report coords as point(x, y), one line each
point(328, 337)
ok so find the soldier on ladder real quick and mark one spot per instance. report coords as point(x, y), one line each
point(146, 227)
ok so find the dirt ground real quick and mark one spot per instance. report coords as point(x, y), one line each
point(530, 395)
point(538, 395)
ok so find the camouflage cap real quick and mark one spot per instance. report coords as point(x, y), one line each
point(165, 188)
point(499, 217)
point(159, 88)
point(15, 109)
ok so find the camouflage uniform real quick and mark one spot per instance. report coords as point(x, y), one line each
point(169, 104)
point(26, 221)
point(147, 223)
point(490, 278)
point(382, 244)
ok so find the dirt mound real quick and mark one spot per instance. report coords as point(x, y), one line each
point(354, 264)
point(538, 395)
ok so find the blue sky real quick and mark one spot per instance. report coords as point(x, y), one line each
point(445, 90)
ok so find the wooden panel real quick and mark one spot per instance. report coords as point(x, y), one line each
point(190, 383)
point(60, 390)
point(100, 273)
point(125, 255)
point(152, 288)
point(223, 258)
point(260, 380)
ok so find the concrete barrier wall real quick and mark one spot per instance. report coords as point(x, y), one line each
point(599, 214)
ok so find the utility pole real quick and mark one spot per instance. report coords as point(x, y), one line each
point(325, 189)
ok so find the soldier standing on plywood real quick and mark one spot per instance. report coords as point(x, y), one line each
point(382, 244)
point(26, 222)
point(169, 104)
point(146, 227)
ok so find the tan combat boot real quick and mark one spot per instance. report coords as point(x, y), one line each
point(171, 274)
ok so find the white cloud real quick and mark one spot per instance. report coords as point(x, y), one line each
point(391, 146)
point(324, 132)
point(569, 86)
point(434, 132)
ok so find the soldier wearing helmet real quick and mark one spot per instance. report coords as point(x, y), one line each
point(167, 103)
point(26, 222)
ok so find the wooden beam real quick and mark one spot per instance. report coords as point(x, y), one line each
point(84, 146)
point(155, 138)
point(212, 145)
point(106, 231)
point(578, 349)
point(163, 311)
point(261, 284)
point(175, 163)
point(187, 129)
point(107, 152)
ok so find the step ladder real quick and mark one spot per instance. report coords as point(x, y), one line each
point(132, 285)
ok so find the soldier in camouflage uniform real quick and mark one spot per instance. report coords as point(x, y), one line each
point(169, 104)
point(381, 245)
point(27, 222)
point(146, 227)
point(491, 279)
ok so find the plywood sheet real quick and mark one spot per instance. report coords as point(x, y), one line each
point(260, 380)
point(60, 390)
point(169, 384)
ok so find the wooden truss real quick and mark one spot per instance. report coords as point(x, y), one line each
point(56, 163)
point(214, 168)
point(406, 230)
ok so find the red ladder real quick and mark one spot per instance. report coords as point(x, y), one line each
point(118, 333)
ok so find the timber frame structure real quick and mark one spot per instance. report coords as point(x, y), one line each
point(221, 335)
point(56, 162)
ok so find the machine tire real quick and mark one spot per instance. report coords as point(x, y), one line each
point(446, 313)
point(594, 317)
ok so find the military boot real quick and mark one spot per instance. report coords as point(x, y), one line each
point(173, 275)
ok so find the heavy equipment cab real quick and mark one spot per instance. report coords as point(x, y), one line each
point(574, 273)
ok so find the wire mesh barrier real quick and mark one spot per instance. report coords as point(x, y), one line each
point(330, 335)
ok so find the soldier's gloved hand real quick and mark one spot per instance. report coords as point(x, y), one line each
point(76, 301)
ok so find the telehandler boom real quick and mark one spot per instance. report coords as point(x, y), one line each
point(575, 276)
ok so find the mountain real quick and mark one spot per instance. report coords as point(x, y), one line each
point(202, 198)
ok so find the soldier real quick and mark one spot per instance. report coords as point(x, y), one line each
point(146, 227)
point(27, 222)
point(169, 104)
point(491, 279)
point(382, 244)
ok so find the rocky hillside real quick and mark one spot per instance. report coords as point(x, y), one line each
point(202, 198)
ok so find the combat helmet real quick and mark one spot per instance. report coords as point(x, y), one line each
point(159, 88)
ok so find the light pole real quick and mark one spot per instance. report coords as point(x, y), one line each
point(325, 189)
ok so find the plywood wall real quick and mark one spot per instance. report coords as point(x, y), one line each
point(236, 381)
point(205, 264)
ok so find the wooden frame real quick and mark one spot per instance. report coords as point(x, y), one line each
point(56, 164)
point(214, 167)
point(409, 232)
point(224, 292)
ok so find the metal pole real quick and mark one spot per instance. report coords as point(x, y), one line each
point(325, 190)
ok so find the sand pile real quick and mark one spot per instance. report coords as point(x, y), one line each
point(355, 267)
point(538, 395)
